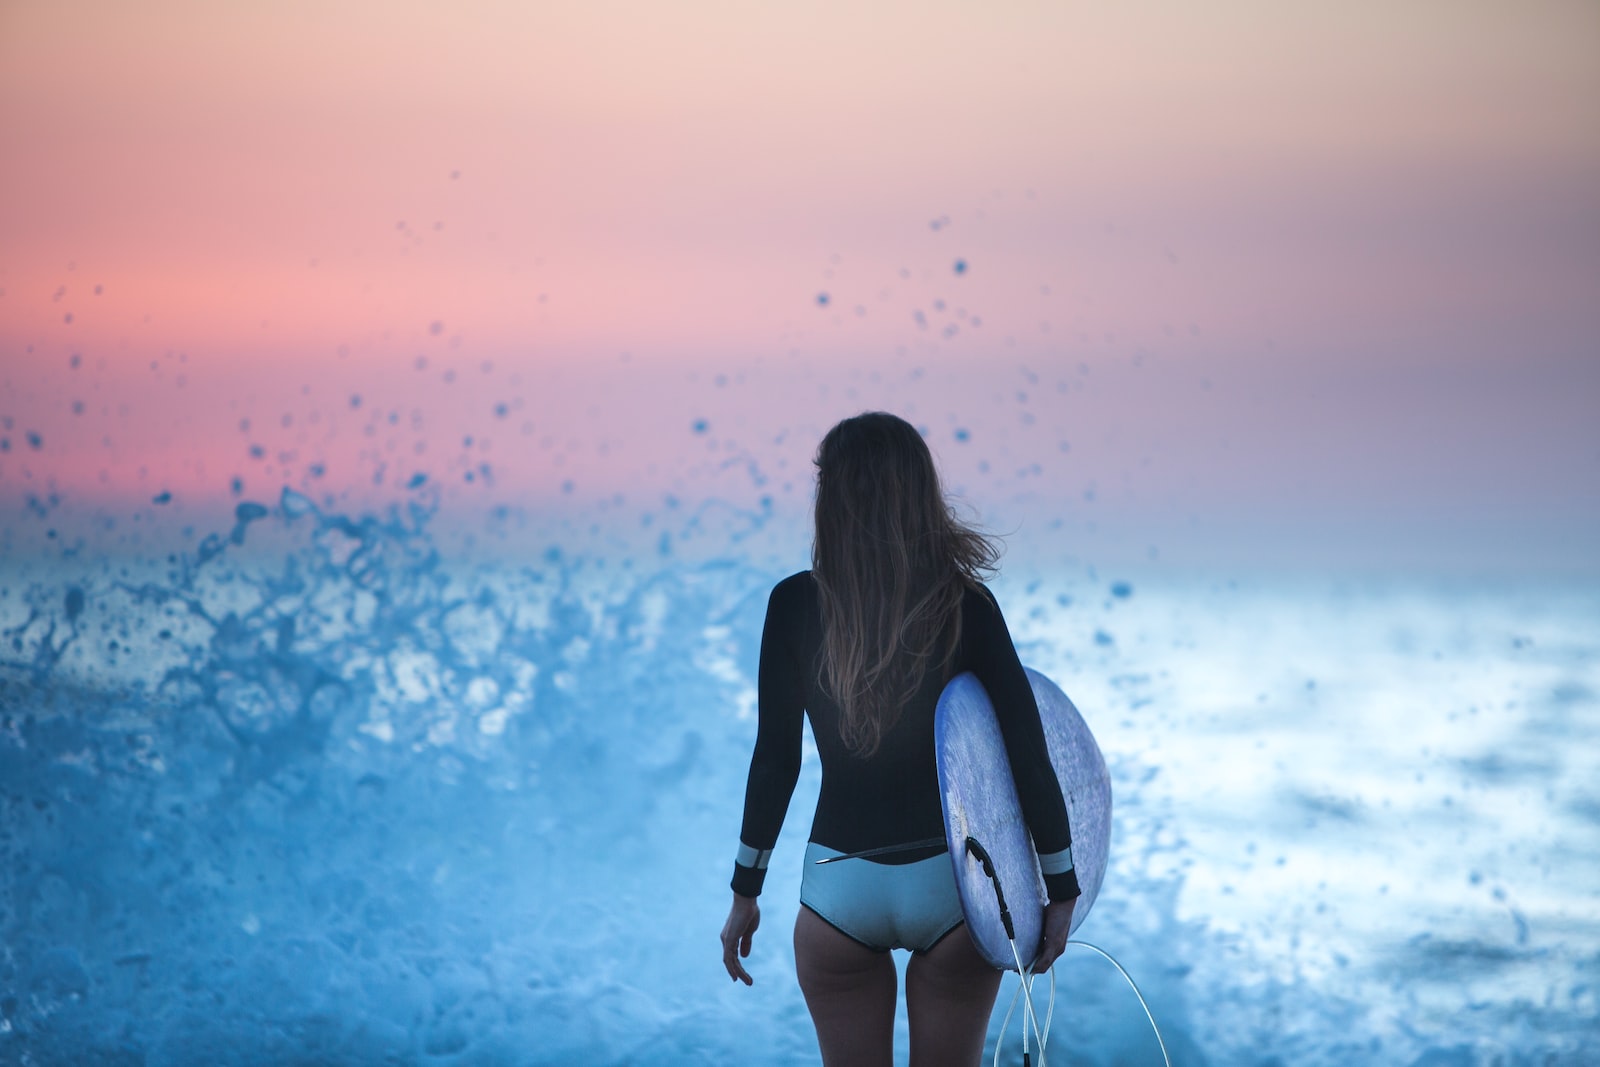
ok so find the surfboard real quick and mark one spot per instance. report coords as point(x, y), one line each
point(980, 799)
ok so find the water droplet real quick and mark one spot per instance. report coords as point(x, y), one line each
point(296, 504)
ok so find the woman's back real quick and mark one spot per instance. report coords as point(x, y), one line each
point(890, 796)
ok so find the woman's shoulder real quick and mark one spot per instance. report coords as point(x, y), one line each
point(800, 580)
point(798, 589)
point(792, 605)
point(979, 596)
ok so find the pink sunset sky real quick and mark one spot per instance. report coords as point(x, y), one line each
point(1187, 275)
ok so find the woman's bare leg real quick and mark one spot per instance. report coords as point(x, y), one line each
point(850, 990)
point(950, 992)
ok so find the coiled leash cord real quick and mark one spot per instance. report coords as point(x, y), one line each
point(1024, 986)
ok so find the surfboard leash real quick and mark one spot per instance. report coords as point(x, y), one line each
point(1024, 986)
point(1030, 1016)
point(1011, 1008)
point(1123, 971)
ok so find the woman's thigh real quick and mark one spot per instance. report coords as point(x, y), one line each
point(850, 990)
point(950, 991)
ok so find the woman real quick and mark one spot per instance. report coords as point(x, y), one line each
point(864, 642)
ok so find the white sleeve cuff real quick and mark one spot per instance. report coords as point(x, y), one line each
point(1056, 862)
point(750, 857)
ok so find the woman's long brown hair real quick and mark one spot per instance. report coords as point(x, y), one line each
point(892, 563)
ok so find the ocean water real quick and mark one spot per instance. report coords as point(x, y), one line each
point(323, 788)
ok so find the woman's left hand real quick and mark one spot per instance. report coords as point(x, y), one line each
point(1057, 924)
point(743, 918)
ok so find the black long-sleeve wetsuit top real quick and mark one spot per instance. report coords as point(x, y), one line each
point(892, 796)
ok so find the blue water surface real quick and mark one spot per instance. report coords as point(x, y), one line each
point(317, 789)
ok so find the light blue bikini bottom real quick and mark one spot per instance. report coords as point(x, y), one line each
point(882, 905)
